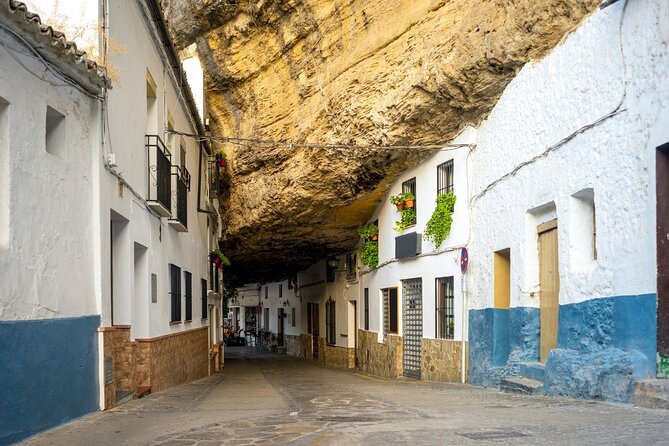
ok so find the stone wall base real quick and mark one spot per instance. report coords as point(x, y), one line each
point(335, 356)
point(380, 359)
point(152, 365)
point(440, 360)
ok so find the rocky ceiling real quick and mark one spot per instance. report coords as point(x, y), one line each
point(355, 72)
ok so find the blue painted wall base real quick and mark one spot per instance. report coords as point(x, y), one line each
point(604, 346)
point(49, 374)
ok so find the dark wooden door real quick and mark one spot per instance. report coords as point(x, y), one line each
point(315, 332)
point(662, 207)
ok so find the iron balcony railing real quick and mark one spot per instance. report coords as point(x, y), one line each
point(159, 169)
point(181, 193)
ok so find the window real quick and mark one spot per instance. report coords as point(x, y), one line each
point(266, 291)
point(203, 286)
point(366, 309)
point(188, 294)
point(445, 178)
point(175, 293)
point(330, 322)
point(55, 132)
point(265, 319)
point(182, 153)
point(151, 105)
point(351, 266)
point(390, 311)
point(329, 272)
point(445, 308)
point(292, 281)
point(292, 316)
point(409, 186)
point(583, 228)
point(280, 290)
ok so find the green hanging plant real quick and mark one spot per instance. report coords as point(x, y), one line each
point(407, 218)
point(217, 257)
point(369, 254)
point(439, 225)
point(369, 232)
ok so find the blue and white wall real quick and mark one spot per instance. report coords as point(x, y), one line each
point(582, 122)
point(48, 309)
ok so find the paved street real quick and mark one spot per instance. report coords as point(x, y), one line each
point(265, 398)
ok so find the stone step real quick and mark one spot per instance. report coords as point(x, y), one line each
point(520, 385)
point(652, 393)
point(532, 370)
point(123, 396)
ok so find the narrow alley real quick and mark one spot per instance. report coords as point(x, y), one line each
point(266, 398)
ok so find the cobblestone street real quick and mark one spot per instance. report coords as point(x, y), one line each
point(265, 398)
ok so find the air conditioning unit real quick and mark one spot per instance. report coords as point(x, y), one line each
point(408, 245)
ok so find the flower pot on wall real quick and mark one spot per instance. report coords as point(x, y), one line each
point(409, 203)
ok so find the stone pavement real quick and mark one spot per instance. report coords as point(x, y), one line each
point(266, 398)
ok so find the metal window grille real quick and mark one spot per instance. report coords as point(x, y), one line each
point(409, 186)
point(390, 315)
point(445, 308)
point(330, 319)
point(266, 291)
point(203, 286)
point(159, 169)
point(266, 319)
point(280, 290)
point(351, 266)
point(175, 293)
point(445, 177)
point(188, 295)
point(292, 316)
point(366, 319)
point(181, 194)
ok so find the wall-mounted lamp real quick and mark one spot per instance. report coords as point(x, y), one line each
point(333, 262)
point(285, 303)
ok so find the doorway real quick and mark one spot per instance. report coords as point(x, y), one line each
point(280, 321)
point(662, 219)
point(549, 286)
point(412, 321)
point(312, 327)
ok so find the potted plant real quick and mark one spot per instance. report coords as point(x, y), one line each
point(398, 200)
point(409, 199)
point(219, 155)
point(218, 258)
point(369, 254)
point(369, 232)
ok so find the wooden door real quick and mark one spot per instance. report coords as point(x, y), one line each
point(549, 287)
point(314, 329)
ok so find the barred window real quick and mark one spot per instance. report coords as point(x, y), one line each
point(330, 322)
point(175, 293)
point(445, 308)
point(390, 312)
point(366, 318)
point(188, 295)
point(409, 186)
point(445, 178)
point(203, 285)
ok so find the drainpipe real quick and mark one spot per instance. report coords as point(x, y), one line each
point(463, 345)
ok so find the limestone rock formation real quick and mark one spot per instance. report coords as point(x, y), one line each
point(357, 72)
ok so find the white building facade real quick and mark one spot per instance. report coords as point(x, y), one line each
point(564, 278)
point(49, 144)
point(159, 299)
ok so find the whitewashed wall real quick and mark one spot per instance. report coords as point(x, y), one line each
point(47, 243)
point(609, 60)
point(164, 245)
point(432, 263)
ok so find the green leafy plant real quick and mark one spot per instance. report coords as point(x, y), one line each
point(369, 254)
point(407, 218)
point(439, 225)
point(217, 257)
point(369, 231)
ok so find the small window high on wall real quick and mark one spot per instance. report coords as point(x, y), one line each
point(445, 178)
point(409, 186)
point(583, 228)
point(55, 132)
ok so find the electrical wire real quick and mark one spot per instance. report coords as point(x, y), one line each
point(251, 142)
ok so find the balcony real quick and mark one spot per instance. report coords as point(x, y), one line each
point(159, 185)
point(181, 178)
